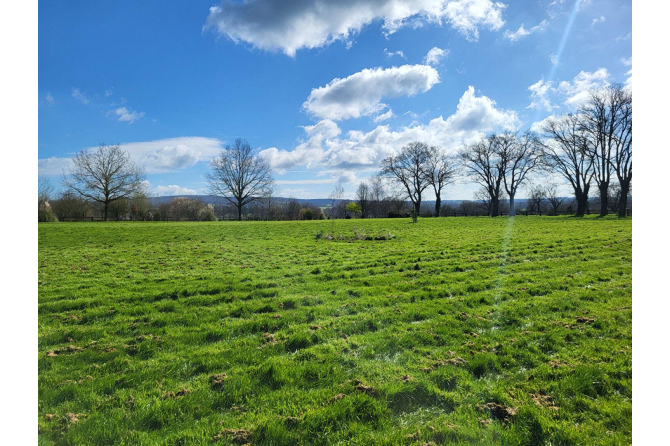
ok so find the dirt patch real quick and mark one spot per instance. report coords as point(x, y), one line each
point(497, 411)
point(237, 436)
point(406, 378)
point(337, 397)
point(269, 338)
point(543, 400)
point(177, 394)
point(315, 327)
point(216, 381)
point(70, 418)
point(64, 350)
point(585, 320)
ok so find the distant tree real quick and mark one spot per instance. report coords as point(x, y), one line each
point(441, 170)
point(485, 165)
point(239, 175)
point(104, 175)
point(554, 198)
point(310, 211)
point(536, 196)
point(291, 210)
point(70, 205)
point(354, 207)
point(377, 197)
point(409, 168)
point(363, 198)
point(520, 155)
point(566, 151)
point(44, 193)
point(335, 199)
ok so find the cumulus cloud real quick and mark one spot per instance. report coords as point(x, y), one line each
point(324, 146)
point(577, 91)
point(572, 93)
point(384, 116)
point(291, 25)
point(81, 97)
point(539, 92)
point(523, 32)
point(172, 190)
point(128, 115)
point(159, 156)
point(435, 55)
point(361, 93)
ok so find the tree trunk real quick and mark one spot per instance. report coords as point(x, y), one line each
point(582, 200)
point(417, 207)
point(623, 198)
point(494, 207)
point(239, 212)
point(603, 198)
point(438, 203)
point(512, 210)
point(106, 207)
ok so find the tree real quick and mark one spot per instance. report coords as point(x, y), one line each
point(607, 120)
point(554, 199)
point(377, 196)
point(336, 198)
point(441, 171)
point(354, 207)
point(409, 168)
point(363, 198)
point(104, 175)
point(44, 193)
point(520, 155)
point(537, 194)
point(239, 175)
point(566, 152)
point(484, 164)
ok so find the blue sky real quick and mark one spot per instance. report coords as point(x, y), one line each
point(323, 89)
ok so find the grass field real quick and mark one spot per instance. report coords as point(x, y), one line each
point(455, 331)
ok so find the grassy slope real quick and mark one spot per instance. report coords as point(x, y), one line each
point(459, 330)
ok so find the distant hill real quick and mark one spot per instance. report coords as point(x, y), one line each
point(320, 202)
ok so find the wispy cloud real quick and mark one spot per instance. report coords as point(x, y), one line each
point(390, 54)
point(597, 20)
point(523, 32)
point(50, 99)
point(172, 190)
point(81, 97)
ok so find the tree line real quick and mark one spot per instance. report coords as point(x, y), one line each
point(592, 146)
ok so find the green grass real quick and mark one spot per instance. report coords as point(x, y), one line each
point(456, 330)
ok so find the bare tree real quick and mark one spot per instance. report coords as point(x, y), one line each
point(104, 175)
point(239, 175)
point(335, 199)
point(554, 199)
point(566, 151)
point(363, 198)
point(484, 164)
point(520, 156)
point(441, 171)
point(409, 169)
point(607, 119)
point(377, 196)
point(45, 191)
point(537, 194)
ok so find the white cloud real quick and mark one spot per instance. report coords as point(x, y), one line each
point(81, 97)
point(578, 91)
point(538, 92)
point(357, 151)
point(53, 166)
point(159, 156)
point(627, 62)
point(554, 58)
point(624, 38)
point(434, 56)
point(383, 117)
point(50, 99)
point(172, 189)
point(291, 25)
point(361, 93)
point(598, 20)
point(390, 54)
point(629, 81)
point(127, 115)
point(522, 32)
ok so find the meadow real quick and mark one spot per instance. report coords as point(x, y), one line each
point(510, 331)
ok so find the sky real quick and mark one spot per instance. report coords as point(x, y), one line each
point(323, 90)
